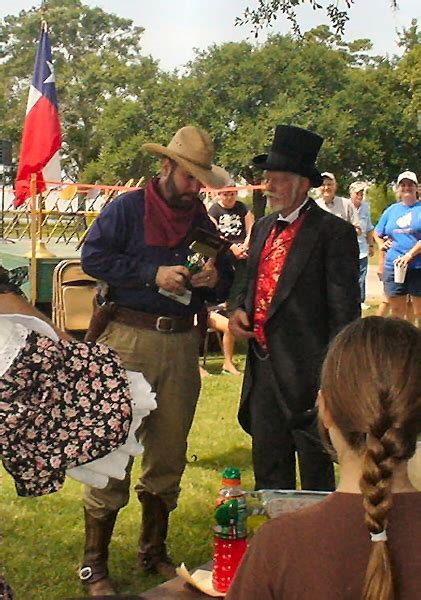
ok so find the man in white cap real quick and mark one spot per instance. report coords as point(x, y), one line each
point(139, 245)
point(338, 206)
point(366, 237)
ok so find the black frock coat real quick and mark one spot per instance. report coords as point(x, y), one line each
point(316, 295)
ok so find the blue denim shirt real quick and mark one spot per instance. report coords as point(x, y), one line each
point(366, 227)
point(115, 251)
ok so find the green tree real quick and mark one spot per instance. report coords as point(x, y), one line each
point(379, 198)
point(240, 92)
point(409, 74)
point(268, 11)
point(97, 58)
point(113, 99)
point(373, 119)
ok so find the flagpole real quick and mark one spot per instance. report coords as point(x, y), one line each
point(33, 189)
point(40, 146)
point(44, 27)
point(41, 210)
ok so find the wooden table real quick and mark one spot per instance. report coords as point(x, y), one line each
point(175, 589)
point(15, 255)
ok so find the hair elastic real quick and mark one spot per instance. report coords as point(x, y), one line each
point(379, 537)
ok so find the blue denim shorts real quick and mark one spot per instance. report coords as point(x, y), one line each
point(411, 285)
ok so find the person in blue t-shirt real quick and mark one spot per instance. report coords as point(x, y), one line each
point(399, 231)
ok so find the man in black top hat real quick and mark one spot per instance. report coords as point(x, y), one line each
point(301, 289)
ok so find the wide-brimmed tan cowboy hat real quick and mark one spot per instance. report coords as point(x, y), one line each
point(193, 150)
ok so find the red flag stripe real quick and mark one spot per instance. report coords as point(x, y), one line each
point(41, 138)
point(40, 141)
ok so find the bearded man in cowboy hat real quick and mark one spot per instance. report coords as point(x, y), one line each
point(139, 246)
point(302, 288)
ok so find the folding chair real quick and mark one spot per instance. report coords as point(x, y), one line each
point(217, 334)
point(208, 333)
point(67, 194)
point(73, 294)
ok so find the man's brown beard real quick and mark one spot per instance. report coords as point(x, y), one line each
point(175, 199)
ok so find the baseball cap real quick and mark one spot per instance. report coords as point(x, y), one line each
point(408, 175)
point(230, 182)
point(357, 186)
point(329, 175)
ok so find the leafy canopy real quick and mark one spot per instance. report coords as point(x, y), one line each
point(268, 11)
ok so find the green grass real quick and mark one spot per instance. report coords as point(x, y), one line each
point(372, 311)
point(374, 260)
point(43, 537)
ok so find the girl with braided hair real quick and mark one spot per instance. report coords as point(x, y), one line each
point(363, 541)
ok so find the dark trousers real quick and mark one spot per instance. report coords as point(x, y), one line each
point(362, 276)
point(274, 444)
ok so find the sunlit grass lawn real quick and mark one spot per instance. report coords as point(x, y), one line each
point(372, 310)
point(42, 538)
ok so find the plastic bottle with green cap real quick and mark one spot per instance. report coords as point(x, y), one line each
point(230, 532)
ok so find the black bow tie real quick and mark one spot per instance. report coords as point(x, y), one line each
point(280, 225)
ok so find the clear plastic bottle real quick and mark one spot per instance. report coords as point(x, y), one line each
point(230, 533)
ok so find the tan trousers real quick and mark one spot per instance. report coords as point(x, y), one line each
point(169, 362)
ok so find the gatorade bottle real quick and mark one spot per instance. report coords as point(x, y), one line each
point(230, 533)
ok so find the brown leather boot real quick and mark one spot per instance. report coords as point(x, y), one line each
point(153, 557)
point(101, 588)
point(94, 571)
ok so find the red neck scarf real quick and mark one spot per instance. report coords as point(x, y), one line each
point(165, 225)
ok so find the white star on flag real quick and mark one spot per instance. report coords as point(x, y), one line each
point(50, 78)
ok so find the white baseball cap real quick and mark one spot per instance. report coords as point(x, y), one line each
point(408, 175)
point(329, 175)
point(357, 186)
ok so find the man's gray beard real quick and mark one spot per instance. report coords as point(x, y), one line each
point(293, 194)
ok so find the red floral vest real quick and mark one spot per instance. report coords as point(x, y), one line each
point(272, 260)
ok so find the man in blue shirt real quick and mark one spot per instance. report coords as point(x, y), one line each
point(366, 237)
point(139, 245)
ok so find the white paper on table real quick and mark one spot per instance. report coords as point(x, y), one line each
point(200, 579)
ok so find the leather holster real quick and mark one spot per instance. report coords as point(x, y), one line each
point(103, 313)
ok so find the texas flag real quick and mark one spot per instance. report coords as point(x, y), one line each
point(41, 138)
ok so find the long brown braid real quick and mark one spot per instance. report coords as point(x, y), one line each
point(371, 381)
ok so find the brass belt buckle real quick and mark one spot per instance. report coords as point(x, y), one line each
point(163, 320)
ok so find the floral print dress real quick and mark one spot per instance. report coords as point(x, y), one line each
point(65, 408)
point(63, 404)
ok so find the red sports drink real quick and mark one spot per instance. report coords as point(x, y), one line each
point(227, 554)
point(230, 533)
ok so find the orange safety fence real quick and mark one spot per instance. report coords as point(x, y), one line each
point(41, 219)
point(127, 188)
point(75, 220)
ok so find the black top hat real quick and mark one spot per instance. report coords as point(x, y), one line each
point(294, 150)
